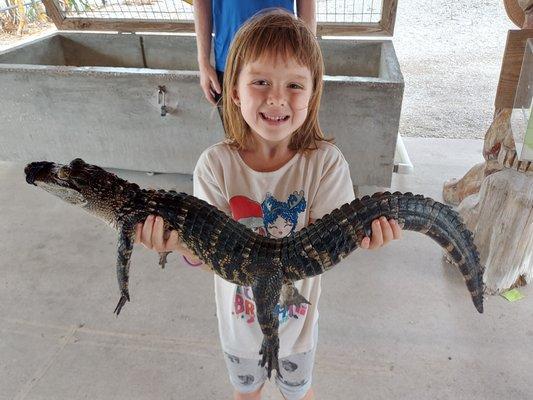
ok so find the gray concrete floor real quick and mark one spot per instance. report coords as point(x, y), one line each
point(396, 323)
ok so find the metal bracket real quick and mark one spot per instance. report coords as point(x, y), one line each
point(161, 93)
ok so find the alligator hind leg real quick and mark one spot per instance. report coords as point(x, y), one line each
point(266, 291)
point(290, 296)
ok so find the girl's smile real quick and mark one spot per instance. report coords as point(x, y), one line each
point(273, 96)
point(274, 119)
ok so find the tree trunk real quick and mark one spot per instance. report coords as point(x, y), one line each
point(501, 218)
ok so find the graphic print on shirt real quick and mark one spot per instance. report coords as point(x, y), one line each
point(272, 218)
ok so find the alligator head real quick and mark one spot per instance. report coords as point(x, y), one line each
point(97, 191)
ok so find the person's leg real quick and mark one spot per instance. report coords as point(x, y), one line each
point(297, 374)
point(297, 371)
point(246, 376)
point(256, 395)
point(310, 395)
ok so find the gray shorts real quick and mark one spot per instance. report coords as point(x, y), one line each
point(247, 375)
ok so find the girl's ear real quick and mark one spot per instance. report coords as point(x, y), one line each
point(235, 97)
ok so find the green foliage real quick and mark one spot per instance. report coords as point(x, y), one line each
point(78, 5)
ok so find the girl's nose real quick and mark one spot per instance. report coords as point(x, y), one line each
point(276, 98)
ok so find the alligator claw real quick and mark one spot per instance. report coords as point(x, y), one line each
point(269, 351)
point(125, 297)
point(163, 258)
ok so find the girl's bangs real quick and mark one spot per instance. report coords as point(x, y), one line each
point(271, 44)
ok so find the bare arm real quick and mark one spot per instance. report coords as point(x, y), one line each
point(203, 26)
point(306, 10)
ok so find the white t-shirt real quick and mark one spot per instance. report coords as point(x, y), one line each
point(277, 204)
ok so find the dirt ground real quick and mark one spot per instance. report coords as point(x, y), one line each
point(33, 29)
point(450, 53)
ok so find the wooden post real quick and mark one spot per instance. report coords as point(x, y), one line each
point(501, 218)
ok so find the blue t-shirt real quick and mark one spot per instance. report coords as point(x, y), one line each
point(229, 15)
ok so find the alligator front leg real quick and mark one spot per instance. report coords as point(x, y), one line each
point(266, 292)
point(163, 258)
point(124, 248)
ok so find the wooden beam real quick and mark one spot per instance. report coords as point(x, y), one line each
point(511, 66)
point(126, 25)
point(388, 16)
point(53, 12)
point(349, 29)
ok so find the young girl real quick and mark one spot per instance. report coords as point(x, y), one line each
point(275, 173)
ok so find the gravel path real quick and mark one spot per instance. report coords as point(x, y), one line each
point(450, 53)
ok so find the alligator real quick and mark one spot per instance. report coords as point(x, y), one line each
point(234, 252)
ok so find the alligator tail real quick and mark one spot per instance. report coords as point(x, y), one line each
point(317, 248)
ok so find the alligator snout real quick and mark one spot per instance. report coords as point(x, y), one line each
point(33, 169)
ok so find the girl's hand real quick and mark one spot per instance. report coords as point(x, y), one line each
point(152, 235)
point(383, 232)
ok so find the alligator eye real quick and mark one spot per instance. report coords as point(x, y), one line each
point(77, 163)
point(63, 173)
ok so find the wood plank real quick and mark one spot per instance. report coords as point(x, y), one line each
point(511, 66)
point(125, 25)
point(349, 29)
point(388, 16)
point(53, 12)
point(136, 25)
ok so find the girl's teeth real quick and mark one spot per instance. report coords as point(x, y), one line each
point(273, 118)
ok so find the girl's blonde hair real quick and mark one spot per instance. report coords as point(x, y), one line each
point(273, 33)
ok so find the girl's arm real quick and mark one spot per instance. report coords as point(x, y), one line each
point(306, 10)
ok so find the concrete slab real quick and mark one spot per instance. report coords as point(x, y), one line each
point(395, 323)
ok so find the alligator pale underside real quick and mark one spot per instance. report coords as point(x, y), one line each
point(237, 254)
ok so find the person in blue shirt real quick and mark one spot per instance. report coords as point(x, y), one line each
point(224, 18)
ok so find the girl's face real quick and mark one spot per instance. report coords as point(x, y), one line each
point(273, 96)
point(280, 227)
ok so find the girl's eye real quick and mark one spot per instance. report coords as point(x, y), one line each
point(295, 86)
point(261, 82)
